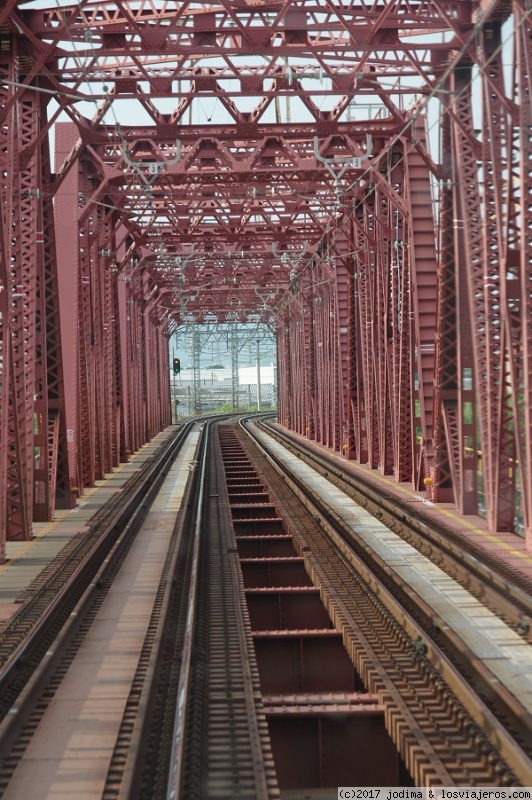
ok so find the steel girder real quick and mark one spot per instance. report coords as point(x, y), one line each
point(403, 333)
point(33, 463)
point(483, 333)
point(228, 214)
point(116, 339)
point(521, 360)
point(77, 283)
point(371, 305)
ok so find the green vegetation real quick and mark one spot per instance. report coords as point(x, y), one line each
point(228, 409)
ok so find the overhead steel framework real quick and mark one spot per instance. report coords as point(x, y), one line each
point(358, 174)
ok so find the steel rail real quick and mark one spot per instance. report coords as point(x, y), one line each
point(13, 723)
point(245, 652)
point(146, 766)
point(144, 721)
point(219, 745)
point(178, 739)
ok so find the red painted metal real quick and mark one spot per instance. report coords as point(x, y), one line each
point(290, 608)
point(33, 438)
point(25, 268)
point(68, 266)
point(52, 487)
point(422, 278)
point(401, 331)
point(115, 335)
point(346, 745)
point(522, 388)
point(446, 470)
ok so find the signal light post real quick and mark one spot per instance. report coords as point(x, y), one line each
point(176, 365)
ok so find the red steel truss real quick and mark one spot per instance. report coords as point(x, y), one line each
point(357, 175)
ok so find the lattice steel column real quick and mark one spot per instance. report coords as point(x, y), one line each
point(104, 342)
point(380, 331)
point(367, 269)
point(305, 287)
point(446, 472)
point(130, 329)
point(500, 455)
point(357, 325)
point(162, 333)
point(423, 272)
point(283, 368)
point(51, 473)
point(4, 393)
point(523, 23)
point(352, 376)
point(23, 186)
point(469, 260)
point(88, 231)
point(66, 208)
point(343, 283)
point(7, 74)
point(401, 324)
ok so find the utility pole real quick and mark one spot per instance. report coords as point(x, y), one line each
point(196, 353)
point(258, 376)
point(234, 366)
point(174, 392)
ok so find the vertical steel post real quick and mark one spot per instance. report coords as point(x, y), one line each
point(196, 370)
point(234, 366)
point(258, 376)
point(174, 395)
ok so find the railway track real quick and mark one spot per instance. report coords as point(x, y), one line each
point(461, 682)
point(501, 588)
point(50, 662)
point(46, 605)
point(275, 660)
point(123, 742)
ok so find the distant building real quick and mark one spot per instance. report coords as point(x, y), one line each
point(246, 376)
point(216, 389)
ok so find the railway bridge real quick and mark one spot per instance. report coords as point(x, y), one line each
point(353, 578)
point(355, 175)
